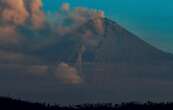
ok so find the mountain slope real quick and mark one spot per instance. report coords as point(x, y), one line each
point(117, 52)
point(116, 43)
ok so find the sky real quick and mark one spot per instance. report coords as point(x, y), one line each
point(151, 20)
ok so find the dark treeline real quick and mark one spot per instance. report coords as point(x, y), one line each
point(12, 104)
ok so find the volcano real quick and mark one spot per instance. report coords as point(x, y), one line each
point(112, 65)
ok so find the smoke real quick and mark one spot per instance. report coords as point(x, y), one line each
point(37, 14)
point(30, 12)
point(13, 11)
point(68, 17)
point(79, 61)
point(67, 74)
point(99, 24)
point(24, 24)
point(20, 12)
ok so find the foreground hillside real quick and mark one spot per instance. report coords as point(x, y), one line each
point(13, 104)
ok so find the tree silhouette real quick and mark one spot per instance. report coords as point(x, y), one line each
point(13, 104)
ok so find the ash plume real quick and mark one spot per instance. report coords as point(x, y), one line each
point(25, 28)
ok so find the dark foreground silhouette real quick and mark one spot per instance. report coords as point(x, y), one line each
point(13, 104)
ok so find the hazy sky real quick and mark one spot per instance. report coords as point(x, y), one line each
point(152, 20)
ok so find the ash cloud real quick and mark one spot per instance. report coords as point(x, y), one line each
point(20, 12)
point(25, 30)
point(68, 17)
point(13, 11)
